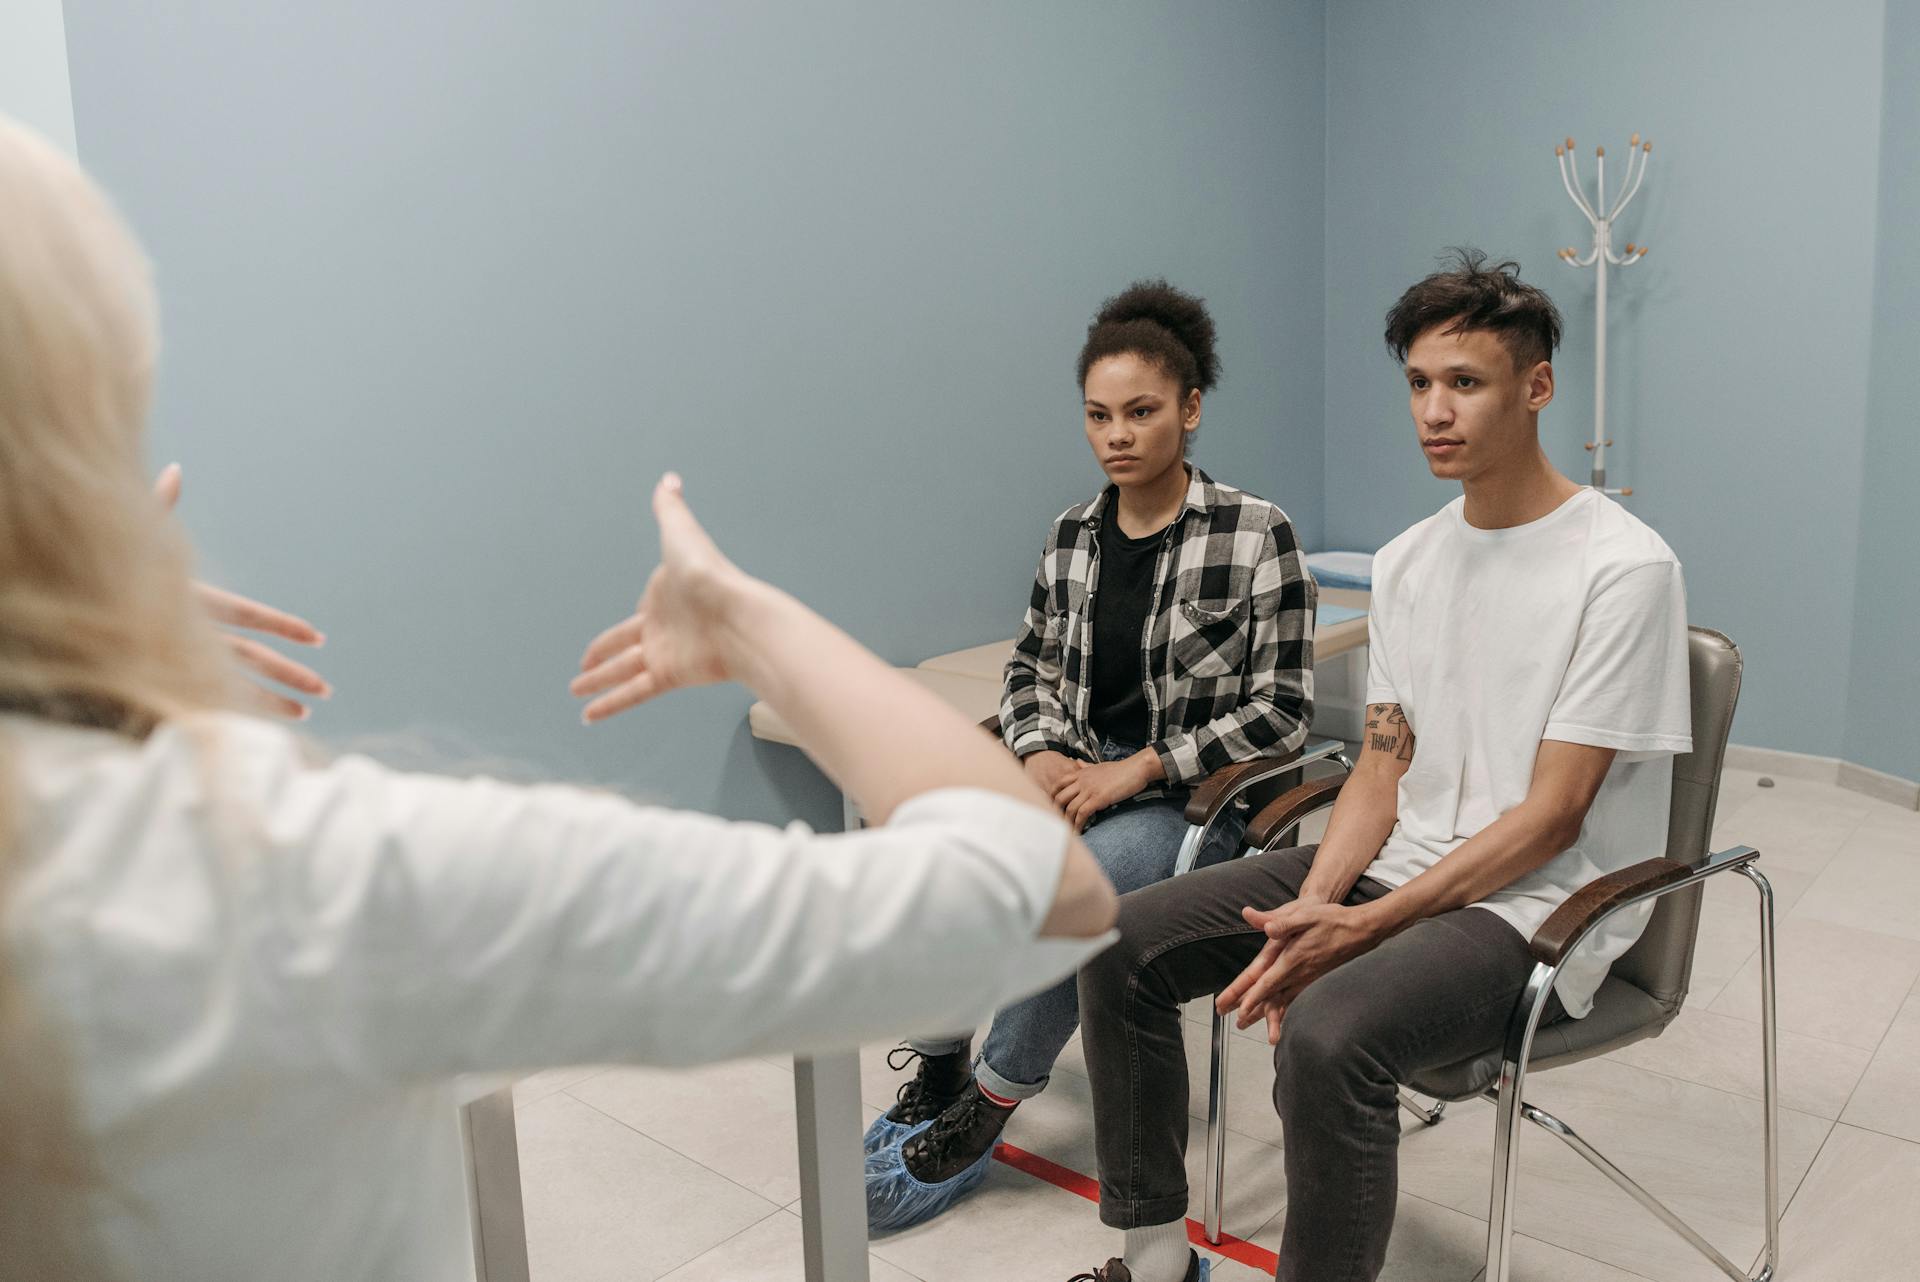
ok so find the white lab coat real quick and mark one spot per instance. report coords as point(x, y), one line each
point(267, 970)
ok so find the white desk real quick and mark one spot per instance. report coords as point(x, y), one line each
point(985, 661)
point(970, 679)
point(978, 697)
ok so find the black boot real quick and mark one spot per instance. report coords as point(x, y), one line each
point(938, 1083)
point(959, 1137)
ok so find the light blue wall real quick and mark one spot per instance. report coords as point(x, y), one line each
point(1738, 350)
point(33, 68)
point(472, 278)
point(446, 286)
point(1883, 714)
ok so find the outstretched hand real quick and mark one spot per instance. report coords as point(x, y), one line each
point(675, 636)
point(231, 610)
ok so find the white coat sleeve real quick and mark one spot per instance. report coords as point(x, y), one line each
point(417, 925)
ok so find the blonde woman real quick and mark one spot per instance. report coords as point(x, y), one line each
point(234, 982)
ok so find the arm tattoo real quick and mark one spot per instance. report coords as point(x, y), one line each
point(1388, 732)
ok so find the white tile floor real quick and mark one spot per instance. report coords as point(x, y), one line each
point(641, 1174)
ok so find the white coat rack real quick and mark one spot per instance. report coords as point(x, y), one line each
point(1600, 257)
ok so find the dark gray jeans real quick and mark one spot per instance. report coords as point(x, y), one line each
point(1438, 992)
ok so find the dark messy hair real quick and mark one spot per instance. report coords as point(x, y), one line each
point(1166, 326)
point(1470, 295)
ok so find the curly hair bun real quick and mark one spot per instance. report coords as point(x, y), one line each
point(1161, 322)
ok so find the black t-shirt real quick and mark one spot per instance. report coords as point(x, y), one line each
point(1121, 600)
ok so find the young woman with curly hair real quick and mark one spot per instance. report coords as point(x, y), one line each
point(1169, 634)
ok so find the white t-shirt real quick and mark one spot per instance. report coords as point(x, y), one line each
point(266, 970)
point(1573, 628)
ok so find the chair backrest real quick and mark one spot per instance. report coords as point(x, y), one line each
point(1661, 962)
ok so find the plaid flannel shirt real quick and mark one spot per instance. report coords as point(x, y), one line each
point(1227, 652)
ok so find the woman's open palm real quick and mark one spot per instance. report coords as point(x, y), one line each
point(673, 639)
point(233, 612)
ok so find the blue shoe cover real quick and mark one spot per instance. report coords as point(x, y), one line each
point(883, 1132)
point(1206, 1266)
point(896, 1200)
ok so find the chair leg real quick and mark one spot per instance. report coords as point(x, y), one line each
point(1506, 1164)
point(1430, 1116)
point(1189, 849)
point(1511, 1108)
point(1215, 1192)
point(1631, 1187)
point(1769, 1067)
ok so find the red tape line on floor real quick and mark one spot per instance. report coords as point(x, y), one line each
point(1233, 1248)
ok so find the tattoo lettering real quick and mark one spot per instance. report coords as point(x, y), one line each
point(1388, 732)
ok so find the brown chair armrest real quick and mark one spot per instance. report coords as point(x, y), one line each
point(1558, 934)
point(1288, 810)
point(1210, 795)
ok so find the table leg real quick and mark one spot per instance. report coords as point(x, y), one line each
point(833, 1190)
point(833, 1187)
point(493, 1156)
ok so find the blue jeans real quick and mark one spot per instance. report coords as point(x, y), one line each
point(1135, 843)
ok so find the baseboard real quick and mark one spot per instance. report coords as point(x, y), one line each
point(1794, 765)
point(1880, 785)
point(1830, 770)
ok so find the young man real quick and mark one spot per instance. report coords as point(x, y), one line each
point(1527, 687)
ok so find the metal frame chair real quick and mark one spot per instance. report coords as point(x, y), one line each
point(1250, 786)
point(1642, 993)
point(1245, 785)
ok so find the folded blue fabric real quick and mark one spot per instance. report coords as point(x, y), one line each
point(1342, 569)
point(1327, 615)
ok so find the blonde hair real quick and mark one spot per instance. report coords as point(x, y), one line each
point(97, 618)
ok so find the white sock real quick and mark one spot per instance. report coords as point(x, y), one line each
point(1157, 1253)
